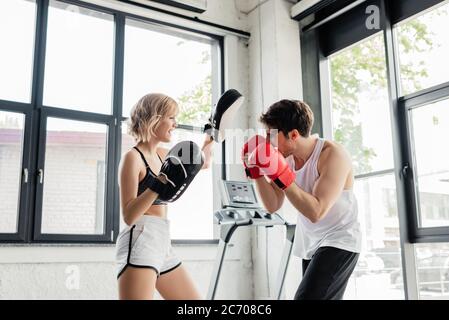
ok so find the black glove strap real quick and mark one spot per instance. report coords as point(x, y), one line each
point(209, 130)
point(157, 186)
point(207, 127)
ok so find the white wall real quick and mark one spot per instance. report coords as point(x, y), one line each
point(51, 272)
point(264, 69)
point(275, 73)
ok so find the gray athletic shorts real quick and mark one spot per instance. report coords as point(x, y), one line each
point(146, 244)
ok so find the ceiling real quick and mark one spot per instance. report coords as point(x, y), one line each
point(247, 6)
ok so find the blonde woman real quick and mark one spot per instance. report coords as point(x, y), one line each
point(146, 261)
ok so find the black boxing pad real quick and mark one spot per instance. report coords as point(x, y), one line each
point(222, 117)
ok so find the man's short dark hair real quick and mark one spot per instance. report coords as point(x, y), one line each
point(287, 115)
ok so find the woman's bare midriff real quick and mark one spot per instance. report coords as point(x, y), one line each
point(158, 211)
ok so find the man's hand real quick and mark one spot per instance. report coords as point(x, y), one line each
point(272, 164)
point(252, 171)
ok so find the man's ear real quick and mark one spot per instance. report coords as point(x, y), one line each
point(294, 134)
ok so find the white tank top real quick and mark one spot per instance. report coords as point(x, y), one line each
point(339, 228)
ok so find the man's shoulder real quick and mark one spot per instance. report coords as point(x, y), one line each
point(331, 147)
point(332, 151)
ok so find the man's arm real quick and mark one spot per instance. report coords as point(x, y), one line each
point(272, 197)
point(333, 174)
point(266, 160)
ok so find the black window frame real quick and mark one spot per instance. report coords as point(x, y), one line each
point(321, 38)
point(36, 113)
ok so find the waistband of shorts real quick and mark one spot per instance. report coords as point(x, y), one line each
point(146, 219)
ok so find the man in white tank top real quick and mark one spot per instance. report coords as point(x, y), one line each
point(316, 176)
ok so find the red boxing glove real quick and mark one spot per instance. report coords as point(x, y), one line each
point(252, 172)
point(272, 164)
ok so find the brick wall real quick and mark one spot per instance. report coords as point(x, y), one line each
point(10, 163)
point(70, 189)
point(73, 188)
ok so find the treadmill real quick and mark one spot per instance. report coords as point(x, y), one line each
point(242, 210)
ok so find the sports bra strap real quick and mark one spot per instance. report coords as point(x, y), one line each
point(143, 158)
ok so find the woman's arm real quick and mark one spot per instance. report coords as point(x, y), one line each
point(133, 207)
point(207, 149)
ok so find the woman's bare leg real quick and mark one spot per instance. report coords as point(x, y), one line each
point(137, 284)
point(177, 285)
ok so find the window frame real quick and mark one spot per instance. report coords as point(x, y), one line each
point(36, 113)
point(217, 90)
point(24, 191)
point(399, 104)
point(315, 50)
point(406, 251)
point(38, 236)
point(406, 104)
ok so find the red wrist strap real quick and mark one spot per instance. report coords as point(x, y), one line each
point(252, 172)
point(285, 179)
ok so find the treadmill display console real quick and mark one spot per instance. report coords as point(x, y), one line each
point(239, 194)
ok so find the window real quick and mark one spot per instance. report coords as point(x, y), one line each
point(74, 172)
point(422, 44)
point(172, 63)
point(64, 98)
point(195, 208)
point(17, 20)
point(378, 76)
point(11, 148)
point(183, 66)
point(360, 107)
point(381, 255)
point(423, 48)
point(430, 130)
point(78, 64)
point(433, 270)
